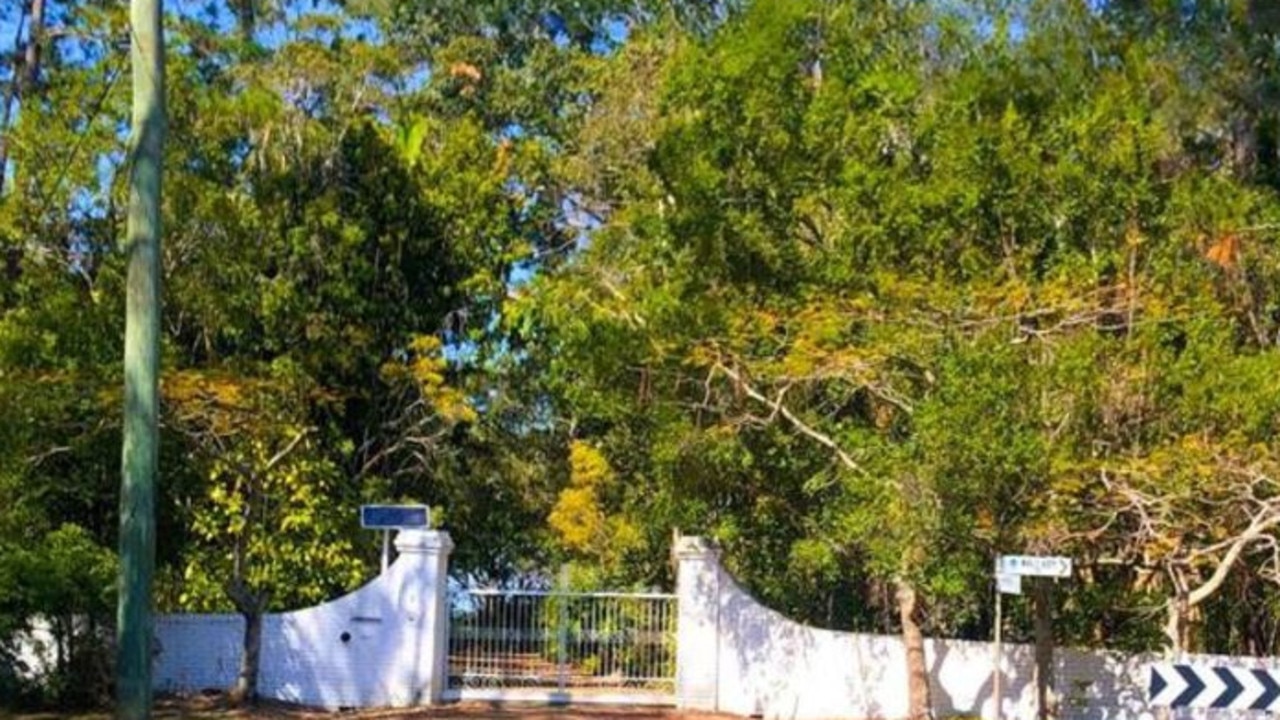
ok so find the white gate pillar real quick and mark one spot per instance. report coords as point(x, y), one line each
point(422, 605)
point(697, 624)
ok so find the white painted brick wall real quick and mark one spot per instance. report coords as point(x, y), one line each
point(393, 654)
point(733, 655)
point(762, 663)
point(196, 652)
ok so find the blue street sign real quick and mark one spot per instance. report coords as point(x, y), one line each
point(394, 517)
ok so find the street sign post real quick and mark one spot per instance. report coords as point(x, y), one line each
point(1010, 569)
point(393, 517)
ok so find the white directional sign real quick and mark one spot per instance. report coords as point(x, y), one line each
point(1009, 584)
point(1035, 565)
point(1230, 688)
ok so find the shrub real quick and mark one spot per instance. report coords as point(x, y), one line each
point(56, 604)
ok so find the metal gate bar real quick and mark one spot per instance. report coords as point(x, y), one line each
point(562, 640)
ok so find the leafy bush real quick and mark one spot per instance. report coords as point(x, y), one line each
point(56, 601)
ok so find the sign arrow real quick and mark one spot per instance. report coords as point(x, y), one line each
point(1214, 687)
point(1270, 690)
point(1194, 685)
point(1158, 683)
point(1233, 687)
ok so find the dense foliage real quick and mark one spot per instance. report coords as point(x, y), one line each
point(869, 292)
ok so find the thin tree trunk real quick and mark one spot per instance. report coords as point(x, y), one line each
point(246, 689)
point(23, 84)
point(62, 641)
point(919, 704)
point(251, 607)
point(1175, 625)
point(35, 38)
point(141, 365)
point(10, 97)
point(246, 18)
point(1046, 698)
point(1175, 611)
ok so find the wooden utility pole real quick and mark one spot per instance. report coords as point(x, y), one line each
point(141, 365)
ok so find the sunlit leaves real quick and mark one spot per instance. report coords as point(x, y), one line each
point(957, 276)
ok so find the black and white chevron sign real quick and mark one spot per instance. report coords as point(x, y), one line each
point(1199, 686)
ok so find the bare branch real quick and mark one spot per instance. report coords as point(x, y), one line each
point(279, 456)
point(777, 408)
point(1255, 530)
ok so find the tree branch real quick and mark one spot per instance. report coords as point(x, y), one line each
point(275, 459)
point(777, 408)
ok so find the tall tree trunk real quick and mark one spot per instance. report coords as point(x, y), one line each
point(24, 79)
point(246, 18)
point(141, 365)
point(35, 38)
point(251, 607)
point(919, 704)
point(1046, 698)
point(10, 97)
point(13, 256)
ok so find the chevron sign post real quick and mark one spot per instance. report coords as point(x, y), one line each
point(1227, 688)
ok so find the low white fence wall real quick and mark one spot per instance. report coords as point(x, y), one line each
point(737, 656)
point(382, 645)
point(386, 645)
